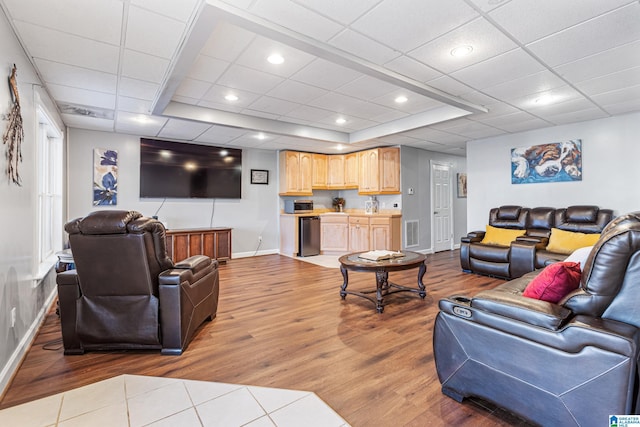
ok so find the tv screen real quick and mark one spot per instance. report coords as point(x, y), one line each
point(182, 170)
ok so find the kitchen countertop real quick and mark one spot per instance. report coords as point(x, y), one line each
point(387, 213)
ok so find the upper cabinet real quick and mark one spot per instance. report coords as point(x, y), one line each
point(296, 170)
point(379, 171)
point(319, 174)
point(375, 171)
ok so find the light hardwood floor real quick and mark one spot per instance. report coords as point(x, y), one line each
point(281, 323)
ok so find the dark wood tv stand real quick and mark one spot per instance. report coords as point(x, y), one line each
point(213, 242)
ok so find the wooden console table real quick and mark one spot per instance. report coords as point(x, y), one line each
point(213, 242)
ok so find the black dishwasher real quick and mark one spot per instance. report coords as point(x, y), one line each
point(309, 243)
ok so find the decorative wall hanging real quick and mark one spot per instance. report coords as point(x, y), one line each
point(14, 133)
point(554, 162)
point(462, 185)
point(105, 177)
point(259, 176)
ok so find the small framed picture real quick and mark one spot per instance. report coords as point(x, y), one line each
point(259, 176)
point(462, 185)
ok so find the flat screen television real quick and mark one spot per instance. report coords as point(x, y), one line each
point(185, 170)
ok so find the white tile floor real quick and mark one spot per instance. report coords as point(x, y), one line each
point(131, 400)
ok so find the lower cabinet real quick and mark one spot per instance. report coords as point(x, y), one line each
point(212, 242)
point(334, 235)
point(359, 233)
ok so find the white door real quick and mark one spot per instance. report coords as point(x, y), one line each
point(441, 219)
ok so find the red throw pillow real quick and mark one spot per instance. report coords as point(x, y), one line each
point(554, 282)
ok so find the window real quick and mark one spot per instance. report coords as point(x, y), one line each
point(50, 181)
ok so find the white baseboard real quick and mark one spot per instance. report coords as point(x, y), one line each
point(6, 375)
point(254, 253)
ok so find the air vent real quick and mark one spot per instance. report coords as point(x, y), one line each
point(411, 233)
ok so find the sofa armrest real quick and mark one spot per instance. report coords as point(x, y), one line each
point(68, 293)
point(523, 255)
point(196, 263)
point(473, 236)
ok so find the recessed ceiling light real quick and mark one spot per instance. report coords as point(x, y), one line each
point(275, 58)
point(260, 136)
point(401, 99)
point(231, 97)
point(339, 147)
point(544, 100)
point(341, 120)
point(462, 50)
point(224, 153)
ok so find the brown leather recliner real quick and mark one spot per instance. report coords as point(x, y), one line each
point(570, 363)
point(126, 293)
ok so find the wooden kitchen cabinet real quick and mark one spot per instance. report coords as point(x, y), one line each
point(384, 233)
point(358, 234)
point(212, 242)
point(379, 171)
point(319, 174)
point(334, 231)
point(295, 173)
point(351, 170)
point(335, 171)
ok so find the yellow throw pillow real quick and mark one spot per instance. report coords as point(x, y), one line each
point(565, 242)
point(501, 236)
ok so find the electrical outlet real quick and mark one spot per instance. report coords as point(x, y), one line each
point(259, 238)
point(13, 317)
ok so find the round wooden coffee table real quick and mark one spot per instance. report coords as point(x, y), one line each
point(382, 268)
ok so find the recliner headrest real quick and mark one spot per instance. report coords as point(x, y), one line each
point(509, 212)
point(582, 213)
point(102, 222)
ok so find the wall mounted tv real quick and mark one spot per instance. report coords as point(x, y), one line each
point(183, 170)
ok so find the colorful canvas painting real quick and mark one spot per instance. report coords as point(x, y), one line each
point(553, 162)
point(105, 177)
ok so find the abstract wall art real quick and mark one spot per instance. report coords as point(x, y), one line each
point(105, 177)
point(552, 162)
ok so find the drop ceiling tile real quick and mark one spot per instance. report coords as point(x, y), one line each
point(296, 18)
point(69, 49)
point(133, 105)
point(599, 34)
point(219, 106)
point(227, 42)
point(468, 128)
point(139, 124)
point(272, 105)
point(257, 113)
point(558, 95)
point(181, 10)
point(366, 88)
point(486, 40)
point(238, 77)
point(498, 121)
point(183, 129)
point(144, 67)
point(82, 78)
point(577, 116)
point(503, 68)
point(413, 69)
point(449, 85)
point(167, 33)
point(217, 95)
point(487, 5)
point(93, 19)
point(208, 69)
point(521, 126)
point(81, 96)
point(435, 135)
point(622, 107)
point(607, 62)
point(629, 94)
point(325, 75)
point(310, 114)
point(547, 112)
point(530, 20)
point(415, 103)
point(138, 89)
point(428, 20)
point(363, 47)
point(339, 10)
point(533, 83)
point(192, 88)
point(389, 116)
point(611, 82)
point(334, 101)
point(294, 91)
point(221, 134)
point(256, 54)
point(91, 123)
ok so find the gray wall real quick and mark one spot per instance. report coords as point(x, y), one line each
point(20, 286)
point(256, 214)
point(416, 174)
point(610, 176)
